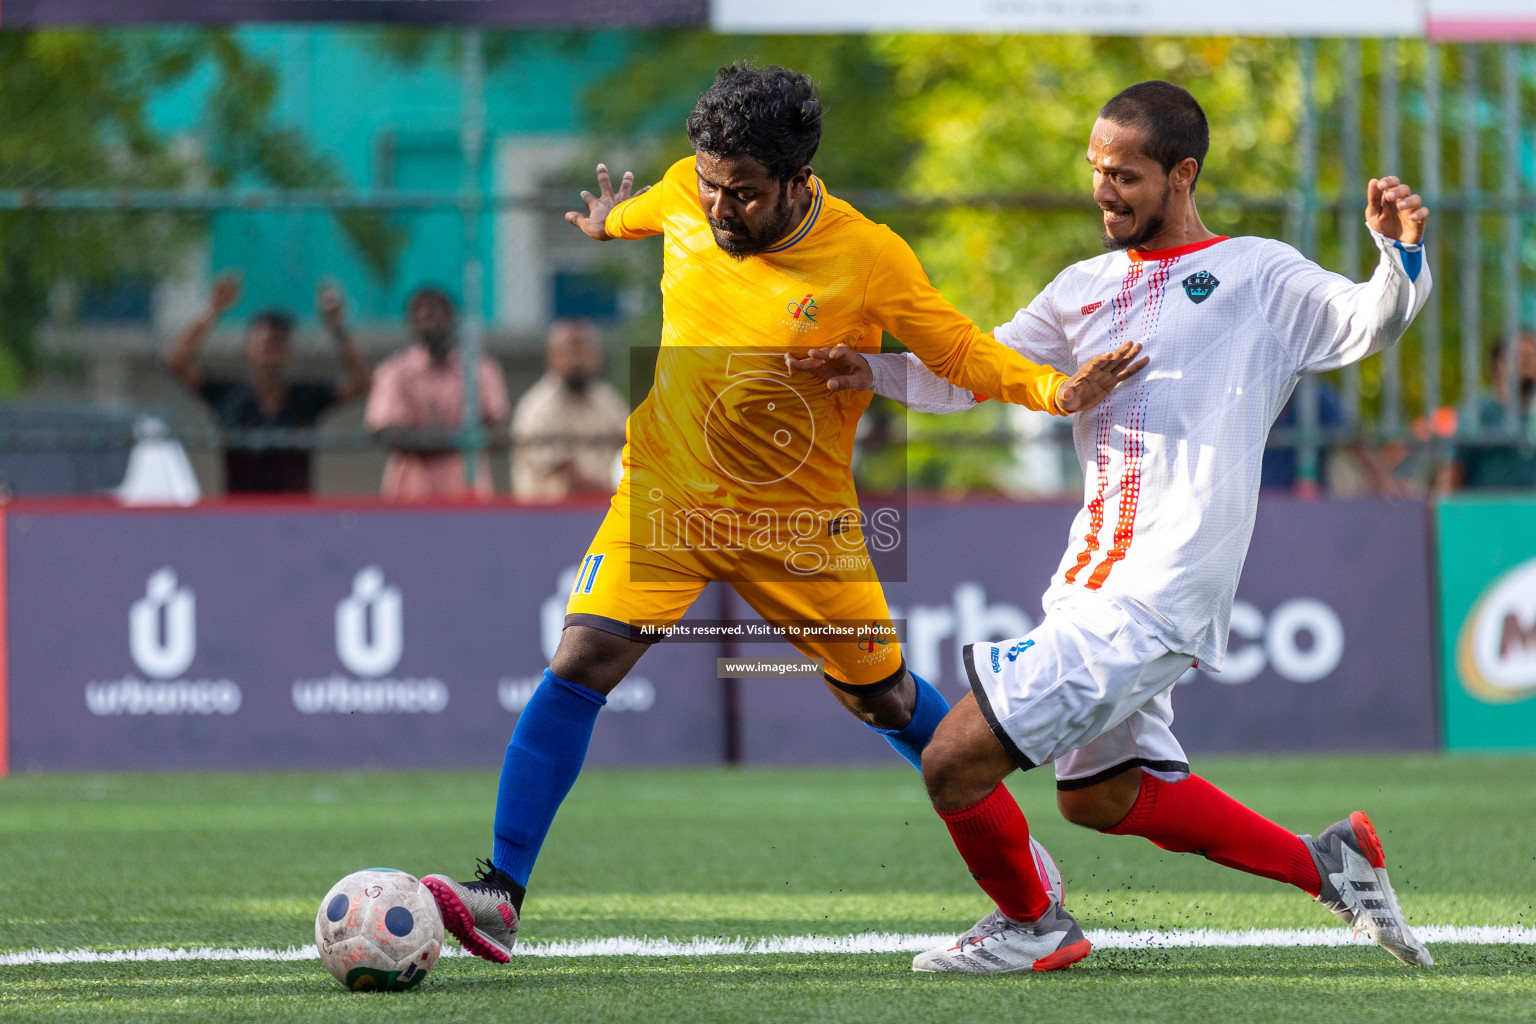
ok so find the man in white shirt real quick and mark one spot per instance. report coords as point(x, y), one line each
point(1171, 469)
point(568, 428)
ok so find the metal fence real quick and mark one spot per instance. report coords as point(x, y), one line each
point(1456, 121)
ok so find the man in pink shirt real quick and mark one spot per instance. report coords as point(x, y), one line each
point(417, 407)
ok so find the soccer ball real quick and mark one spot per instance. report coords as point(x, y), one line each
point(1050, 874)
point(379, 929)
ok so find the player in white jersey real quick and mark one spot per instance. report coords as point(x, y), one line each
point(1145, 588)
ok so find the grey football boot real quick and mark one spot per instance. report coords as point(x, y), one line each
point(480, 914)
point(1353, 869)
point(997, 944)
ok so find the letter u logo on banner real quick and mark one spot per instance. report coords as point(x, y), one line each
point(162, 627)
point(370, 630)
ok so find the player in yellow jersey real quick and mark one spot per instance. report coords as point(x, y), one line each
point(737, 468)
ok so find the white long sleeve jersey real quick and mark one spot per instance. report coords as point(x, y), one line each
point(1171, 459)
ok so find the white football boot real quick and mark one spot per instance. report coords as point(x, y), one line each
point(999, 944)
point(1353, 868)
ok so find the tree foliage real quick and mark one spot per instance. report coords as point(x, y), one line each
point(648, 97)
point(999, 116)
point(76, 110)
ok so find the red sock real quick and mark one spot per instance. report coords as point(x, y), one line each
point(993, 837)
point(1194, 816)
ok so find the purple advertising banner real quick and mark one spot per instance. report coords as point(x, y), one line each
point(1331, 645)
point(508, 13)
point(312, 638)
point(351, 637)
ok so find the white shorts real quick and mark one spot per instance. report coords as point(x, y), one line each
point(1089, 690)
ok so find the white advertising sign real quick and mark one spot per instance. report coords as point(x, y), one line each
point(1099, 17)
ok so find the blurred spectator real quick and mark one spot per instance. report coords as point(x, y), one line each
point(1042, 448)
point(267, 399)
point(1279, 470)
point(417, 406)
point(569, 426)
point(1509, 465)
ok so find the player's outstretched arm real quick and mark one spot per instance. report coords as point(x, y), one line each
point(598, 206)
point(1327, 320)
point(1395, 211)
point(1096, 378)
point(846, 369)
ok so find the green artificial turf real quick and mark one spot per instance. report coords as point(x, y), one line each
point(119, 861)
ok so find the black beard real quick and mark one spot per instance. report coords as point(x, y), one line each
point(437, 343)
point(739, 247)
point(1149, 231)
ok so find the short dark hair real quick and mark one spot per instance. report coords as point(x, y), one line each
point(429, 293)
point(279, 321)
point(1496, 350)
point(771, 114)
point(1175, 125)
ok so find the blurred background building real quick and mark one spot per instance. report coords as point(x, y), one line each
point(382, 158)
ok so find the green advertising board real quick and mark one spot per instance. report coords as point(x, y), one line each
point(1488, 622)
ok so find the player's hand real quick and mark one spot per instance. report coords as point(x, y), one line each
point(591, 222)
point(1096, 378)
point(328, 303)
point(1395, 211)
point(225, 292)
point(843, 368)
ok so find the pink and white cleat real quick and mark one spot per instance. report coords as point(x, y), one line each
point(480, 914)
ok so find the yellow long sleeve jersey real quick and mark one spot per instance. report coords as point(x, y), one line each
point(726, 424)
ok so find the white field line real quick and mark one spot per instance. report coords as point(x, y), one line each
point(868, 942)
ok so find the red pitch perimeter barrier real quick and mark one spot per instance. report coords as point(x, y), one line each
point(348, 635)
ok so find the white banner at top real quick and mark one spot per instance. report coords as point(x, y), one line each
point(1093, 17)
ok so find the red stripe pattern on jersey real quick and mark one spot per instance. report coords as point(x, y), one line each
point(1130, 478)
point(1096, 506)
point(1122, 306)
point(1130, 489)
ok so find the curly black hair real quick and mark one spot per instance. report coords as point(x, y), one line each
point(771, 114)
point(1175, 125)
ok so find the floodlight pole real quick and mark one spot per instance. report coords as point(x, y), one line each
point(471, 343)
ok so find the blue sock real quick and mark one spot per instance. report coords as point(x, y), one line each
point(927, 713)
point(542, 762)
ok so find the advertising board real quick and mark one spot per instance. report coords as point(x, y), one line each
point(240, 637)
point(1488, 622)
